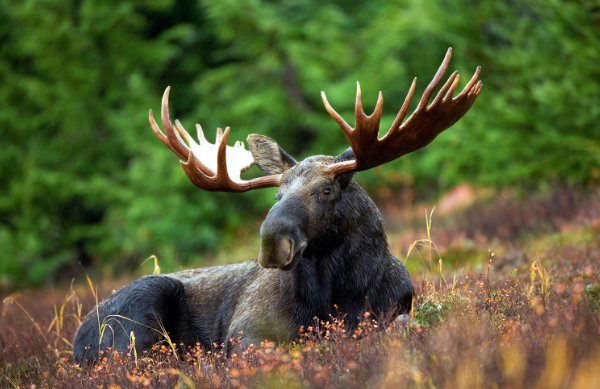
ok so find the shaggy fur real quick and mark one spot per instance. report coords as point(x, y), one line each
point(340, 258)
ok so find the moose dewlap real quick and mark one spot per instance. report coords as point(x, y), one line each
point(323, 246)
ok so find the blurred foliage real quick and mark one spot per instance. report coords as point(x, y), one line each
point(84, 180)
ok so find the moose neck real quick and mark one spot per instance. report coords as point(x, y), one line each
point(346, 262)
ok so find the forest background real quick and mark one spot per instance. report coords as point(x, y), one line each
point(84, 181)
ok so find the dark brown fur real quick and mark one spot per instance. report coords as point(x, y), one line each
point(323, 244)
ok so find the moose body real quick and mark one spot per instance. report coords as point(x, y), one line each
point(348, 266)
point(323, 246)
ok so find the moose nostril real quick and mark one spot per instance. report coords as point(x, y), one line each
point(287, 246)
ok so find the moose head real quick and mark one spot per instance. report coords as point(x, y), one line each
point(310, 191)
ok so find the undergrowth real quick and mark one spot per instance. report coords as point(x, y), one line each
point(532, 324)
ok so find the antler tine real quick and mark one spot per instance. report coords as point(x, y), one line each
point(435, 81)
point(162, 137)
point(200, 134)
point(159, 134)
point(359, 111)
point(219, 135)
point(479, 86)
point(190, 140)
point(174, 140)
point(336, 116)
point(445, 88)
point(472, 82)
point(404, 109)
point(186, 136)
point(452, 88)
point(221, 156)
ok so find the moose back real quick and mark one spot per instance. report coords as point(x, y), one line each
point(323, 246)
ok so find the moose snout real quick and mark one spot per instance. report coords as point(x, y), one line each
point(276, 251)
point(282, 238)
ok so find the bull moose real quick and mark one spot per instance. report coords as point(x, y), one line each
point(323, 246)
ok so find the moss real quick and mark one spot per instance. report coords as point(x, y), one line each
point(592, 292)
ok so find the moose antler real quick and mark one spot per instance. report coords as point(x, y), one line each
point(425, 123)
point(212, 167)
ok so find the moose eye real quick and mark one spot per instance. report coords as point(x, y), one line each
point(326, 191)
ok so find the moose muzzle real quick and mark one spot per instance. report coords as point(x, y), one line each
point(282, 240)
point(276, 252)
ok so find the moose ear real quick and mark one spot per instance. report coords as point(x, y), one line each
point(268, 155)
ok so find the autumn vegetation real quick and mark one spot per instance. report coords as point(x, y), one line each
point(518, 315)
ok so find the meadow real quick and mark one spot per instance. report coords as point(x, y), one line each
point(507, 296)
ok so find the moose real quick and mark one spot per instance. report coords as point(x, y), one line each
point(323, 246)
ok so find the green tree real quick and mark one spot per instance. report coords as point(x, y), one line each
point(73, 75)
point(84, 180)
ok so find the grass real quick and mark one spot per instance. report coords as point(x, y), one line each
point(521, 311)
